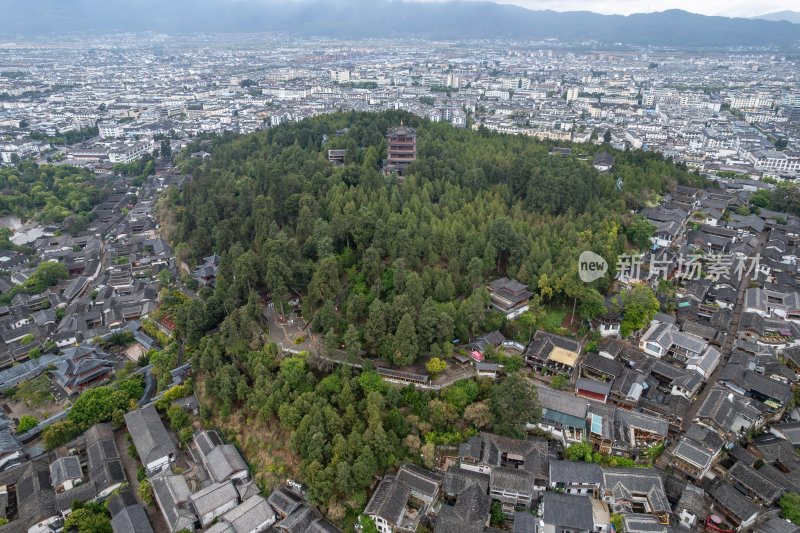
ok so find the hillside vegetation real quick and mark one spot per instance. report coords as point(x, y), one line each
point(475, 205)
point(392, 270)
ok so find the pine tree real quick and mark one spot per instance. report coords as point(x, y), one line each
point(427, 324)
point(404, 347)
point(352, 345)
point(375, 330)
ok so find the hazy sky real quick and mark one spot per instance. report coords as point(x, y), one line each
point(731, 8)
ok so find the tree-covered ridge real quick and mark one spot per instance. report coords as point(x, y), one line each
point(51, 193)
point(474, 205)
point(346, 427)
point(391, 268)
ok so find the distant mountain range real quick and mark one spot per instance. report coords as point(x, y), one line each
point(790, 16)
point(355, 19)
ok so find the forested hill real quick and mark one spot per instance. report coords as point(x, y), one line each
point(393, 269)
point(475, 204)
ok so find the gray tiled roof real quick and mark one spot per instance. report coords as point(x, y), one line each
point(625, 482)
point(740, 454)
point(569, 472)
point(642, 523)
point(224, 461)
point(105, 468)
point(602, 365)
point(27, 370)
point(667, 335)
point(741, 376)
point(562, 402)
point(322, 525)
point(734, 502)
point(525, 522)
point(693, 452)
point(9, 443)
point(469, 514)
point(36, 499)
point(593, 386)
point(301, 520)
point(98, 432)
point(389, 500)
point(284, 500)
point(64, 468)
point(420, 480)
point(222, 527)
point(704, 436)
point(119, 500)
point(458, 479)
point(693, 499)
point(213, 497)
point(207, 440)
point(509, 479)
point(752, 480)
point(777, 525)
point(81, 493)
point(149, 434)
point(567, 511)
point(488, 448)
point(249, 515)
point(627, 419)
point(132, 519)
point(171, 493)
point(722, 408)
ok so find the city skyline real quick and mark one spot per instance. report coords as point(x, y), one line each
point(394, 267)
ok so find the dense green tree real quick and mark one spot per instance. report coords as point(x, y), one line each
point(375, 329)
point(84, 520)
point(638, 306)
point(478, 414)
point(404, 347)
point(790, 507)
point(514, 404)
point(435, 366)
point(497, 518)
point(592, 304)
point(579, 451)
point(368, 524)
point(145, 491)
point(427, 326)
point(503, 237)
point(373, 267)
point(760, 198)
point(51, 193)
point(293, 370)
point(352, 344)
point(50, 272)
point(364, 468)
point(639, 232)
point(325, 282)
point(475, 271)
point(26, 422)
point(558, 382)
point(785, 198)
point(59, 433)
point(330, 344)
point(617, 522)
